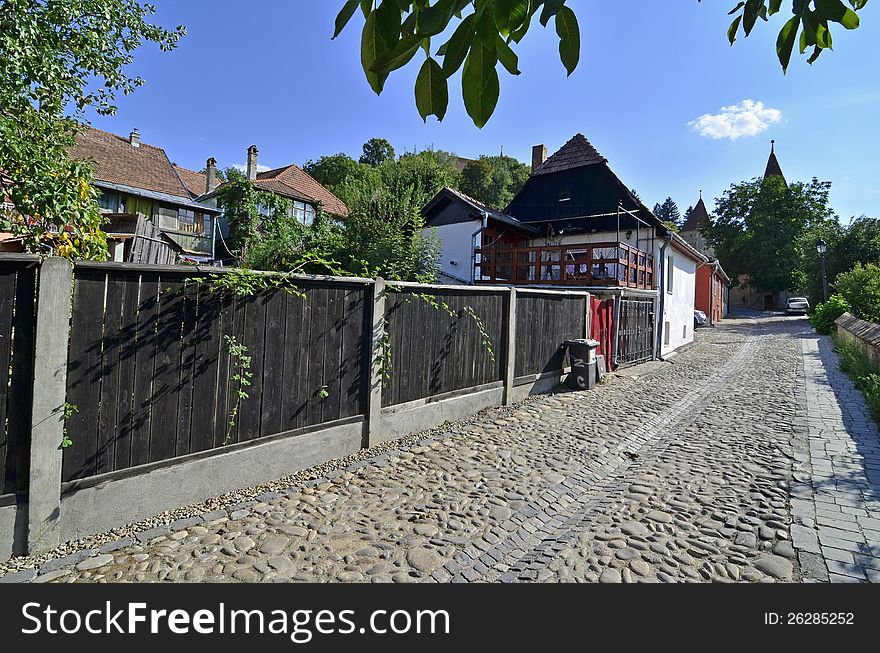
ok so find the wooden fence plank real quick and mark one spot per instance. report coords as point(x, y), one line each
point(164, 398)
point(254, 339)
point(273, 365)
point(183, 439)
point(84, 374)
point(18, 425)
point(317, 343)
point(127, 366)
point(291, 397)
point(206, 371)
point(355, 333)
point(8, 275)
point(144, 372)
point(114, 340)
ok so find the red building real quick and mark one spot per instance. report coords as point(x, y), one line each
point(712, 291)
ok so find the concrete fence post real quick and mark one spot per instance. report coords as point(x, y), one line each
point(373, 421)
point(510, 346)
point(49, 397)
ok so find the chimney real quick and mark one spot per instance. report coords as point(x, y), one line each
point(252, 162)
point(539, 155)
point(134, 138)
point(211, 170)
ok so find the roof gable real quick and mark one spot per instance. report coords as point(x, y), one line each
point(196, 182)
point(301, 185)
point(773, 168)
point(576, 153)
point(118, 162)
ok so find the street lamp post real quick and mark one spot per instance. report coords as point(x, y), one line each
point(822, 247)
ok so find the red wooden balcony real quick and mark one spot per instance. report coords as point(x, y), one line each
point(592, 264)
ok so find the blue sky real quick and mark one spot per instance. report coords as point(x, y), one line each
point(267, 73)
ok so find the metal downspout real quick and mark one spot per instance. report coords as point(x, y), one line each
point(662, 309)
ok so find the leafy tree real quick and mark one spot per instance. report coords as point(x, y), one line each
point(251, 213)
point(635, 194)
point(476, 180)
point(823, 316)
point(687, 214)
point(486, 31)
point(494, 180)
point(338, 171)
point(421, 173)
point(861, 289)
point(758, 226)
point(668, 212)
point(58, 59)
point(376, 152)
point(846, 246)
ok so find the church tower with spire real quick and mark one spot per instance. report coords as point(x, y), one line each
point(773, 168)
point(691, 230)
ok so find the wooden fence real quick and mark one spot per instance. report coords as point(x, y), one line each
point(152, 378)
point(442, 341)
point(18, 286)
point(555, 318)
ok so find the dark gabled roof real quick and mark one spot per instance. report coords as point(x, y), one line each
point(476, 208)
point(118, 162)
point(698, 217)
point(576, 153)
point(773, 168)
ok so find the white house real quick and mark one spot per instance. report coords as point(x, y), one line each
point(575, 224)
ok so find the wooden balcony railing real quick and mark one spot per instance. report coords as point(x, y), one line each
point(593, 264)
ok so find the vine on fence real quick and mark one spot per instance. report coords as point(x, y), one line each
point(69, 411)
point(384, 354)
point(243, 375)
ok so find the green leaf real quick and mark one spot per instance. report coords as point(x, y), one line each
point(378, 41)
point(401, 55)
point(738, 6)
point(510, 15)
point(507, 57)
point(750, 14)
point(345, 16)
point(432, 93)
point(551, 8)
point(569, 38)
point(480, 85)
point(838, 12)
point(775, 5)
point(433, 19)
point(457, 47)
point(732, 30)
point(785, 41)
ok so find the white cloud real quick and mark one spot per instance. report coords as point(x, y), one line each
point(243, 167)
point(748, 118)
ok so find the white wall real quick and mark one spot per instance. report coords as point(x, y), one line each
point(678, 308)
point(456, 256)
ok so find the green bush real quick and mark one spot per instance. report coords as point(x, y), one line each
point(824, 315)
point(864, 372)
point(861, 288)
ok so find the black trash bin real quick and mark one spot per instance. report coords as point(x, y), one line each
point(582, 354)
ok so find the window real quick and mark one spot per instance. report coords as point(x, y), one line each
point(666, 333)
point(310, 215)
point(684, 332)
point(670, 273)
point(108, 201)
point(186, 216)
point(298, 211)
point(206, 221)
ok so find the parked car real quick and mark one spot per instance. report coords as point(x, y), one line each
point(700, 319)
point(797, 305)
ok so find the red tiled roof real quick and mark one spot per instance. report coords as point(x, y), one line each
point(116, 161)
point(196, 182)
point(576, 153)
point(295, 182)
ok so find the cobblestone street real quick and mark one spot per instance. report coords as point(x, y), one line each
point(748, 457)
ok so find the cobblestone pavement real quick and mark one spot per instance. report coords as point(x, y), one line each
point(691, 472)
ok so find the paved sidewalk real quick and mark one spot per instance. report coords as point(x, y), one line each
point(837, 521)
